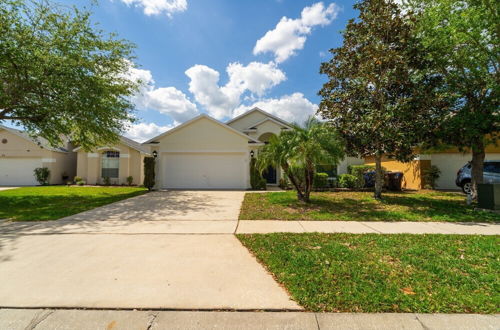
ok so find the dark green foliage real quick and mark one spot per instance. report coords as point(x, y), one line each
point(42, 175)
point(320, 181)
point(130, 180)
point(149, 172)
point(348, 181)
point(257, 182)
point(77, 179)
point(379, 96)
point(431, 175)
point(358, 171)
point(62, 76)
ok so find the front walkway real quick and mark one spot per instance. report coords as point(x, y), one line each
point(14, 319)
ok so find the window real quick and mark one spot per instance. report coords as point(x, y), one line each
point(491, 167)
point(110, 164)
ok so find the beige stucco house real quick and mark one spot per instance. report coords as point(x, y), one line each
point(114, 162)
point(20, 155)
point(204, 153)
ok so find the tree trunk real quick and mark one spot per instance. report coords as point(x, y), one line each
point(477, 163)
point(309, 174)
point(378, 176)
point(286, 169)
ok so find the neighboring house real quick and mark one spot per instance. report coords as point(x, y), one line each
point(448, 161)
point(20, 155)
point(114, 162)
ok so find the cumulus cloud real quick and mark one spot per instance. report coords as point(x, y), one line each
point(218, 100)
point(158, 7)
point(289, 35)
point(292, 108)
point(144, 131)
point(166, 100)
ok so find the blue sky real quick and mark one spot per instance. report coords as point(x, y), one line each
point(223, 57)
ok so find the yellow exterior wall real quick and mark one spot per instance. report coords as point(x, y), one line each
point(412, 171)
point(89, 165)
point(248, 120)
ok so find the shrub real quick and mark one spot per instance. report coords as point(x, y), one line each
point(348, 181)
point(283, 184)
point(320, 181)
point(257, 182)
point(42, 175)
point(431, 175)
point(107, 181)
point(130, 180)
point(80, 183)
point(149, 172)
point(77, 179)
point(359, 172)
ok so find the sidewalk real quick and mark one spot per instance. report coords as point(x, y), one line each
point(14, 319)
point(363, 227)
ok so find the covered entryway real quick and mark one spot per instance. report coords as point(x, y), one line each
point(18, 171)
point(204, 170)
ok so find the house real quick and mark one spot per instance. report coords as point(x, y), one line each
point(204, 153)
point(448, 161)
point(115, 162)
point(20, 154)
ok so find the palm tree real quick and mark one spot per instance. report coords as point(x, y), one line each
point(299, 150)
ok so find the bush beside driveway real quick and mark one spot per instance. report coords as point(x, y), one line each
point(55, 202)
point(361, 206)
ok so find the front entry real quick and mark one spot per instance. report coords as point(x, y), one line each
point(270, 175)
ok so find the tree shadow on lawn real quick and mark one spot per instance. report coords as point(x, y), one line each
point(52, 207)
point(396, 206)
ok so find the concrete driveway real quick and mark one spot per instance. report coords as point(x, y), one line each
point(173, 250)
point(170, 205)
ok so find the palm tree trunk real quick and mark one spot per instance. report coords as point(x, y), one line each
point(378, 176)
point(478, 154)
point(293, 180)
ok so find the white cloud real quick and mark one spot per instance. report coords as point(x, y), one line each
point(292, 108)
point(157, 7)
point(142, 132)
point(289, 35)
point(166, 100)
point(219, 101)
point(172, 102)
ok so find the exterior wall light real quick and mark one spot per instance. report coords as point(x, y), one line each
point(155, 154)
point(252, 153)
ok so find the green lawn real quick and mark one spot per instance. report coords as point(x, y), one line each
point(361, 206)
point(384, 273)
point(54, 202)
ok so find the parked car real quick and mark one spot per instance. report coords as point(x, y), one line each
point(491, 174)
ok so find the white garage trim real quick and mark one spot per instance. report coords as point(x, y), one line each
point(204, 170)
point(48, 160)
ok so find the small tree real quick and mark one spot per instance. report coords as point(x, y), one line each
point(299, 151)
point(257, 182)
point(149, 172)
point(431, 175)
point(379, 97)
point(42, 175)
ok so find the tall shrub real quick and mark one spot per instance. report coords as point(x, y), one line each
point(257, 182)
point(42, 175)
point(149, 172)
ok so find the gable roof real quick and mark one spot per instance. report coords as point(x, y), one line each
point(39, 141)
point(269, 119)
point(130, 143)
point(283, 122)
point(181, 126)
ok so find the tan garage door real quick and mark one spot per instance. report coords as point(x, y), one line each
point(18, 171)
point(204, 171)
